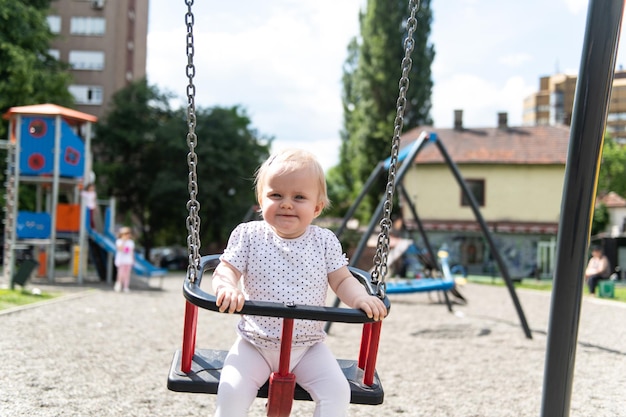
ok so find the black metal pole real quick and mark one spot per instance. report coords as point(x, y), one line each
point(408, 162)
point(356, 256)
point(420, 226)
point(492, 245)
point(593, 89)
point(429, 248)
point(366, 187)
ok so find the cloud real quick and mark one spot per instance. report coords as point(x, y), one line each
point(480, 100)
point(515, 59)
point(282, 61)
point(576, 6)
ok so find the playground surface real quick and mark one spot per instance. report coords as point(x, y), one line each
point(101, 353)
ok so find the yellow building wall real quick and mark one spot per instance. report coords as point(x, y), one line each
point(518, 193)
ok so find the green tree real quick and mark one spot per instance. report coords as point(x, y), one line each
point(140, 155)
point(229, 152)
point(601, 219)
point(612, 175)
point(133, 155)
point(29, 74)
point(370, 90)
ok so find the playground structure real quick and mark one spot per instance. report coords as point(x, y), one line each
point(49, 147)
point(445, 283)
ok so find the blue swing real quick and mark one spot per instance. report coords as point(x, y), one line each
point(446, 283)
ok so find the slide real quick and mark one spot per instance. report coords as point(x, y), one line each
point(141, 267)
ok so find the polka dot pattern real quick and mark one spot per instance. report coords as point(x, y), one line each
point(285, 271)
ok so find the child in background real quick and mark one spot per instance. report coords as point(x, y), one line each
point(124, 258)
point(283, 258)
point(90, 198)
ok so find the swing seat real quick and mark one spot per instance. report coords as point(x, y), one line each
point(207, 364)
point(199, 370)
point(419, 285)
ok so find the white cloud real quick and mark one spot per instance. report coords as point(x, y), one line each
point(282, 59)
point(282, 63)
point(576, 6)
point(515, 59)
point(480, 99)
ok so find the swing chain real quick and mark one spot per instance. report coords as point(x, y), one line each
point(193, 206)
point(382, 248)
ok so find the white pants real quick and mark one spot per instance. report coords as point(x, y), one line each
point(247, 368)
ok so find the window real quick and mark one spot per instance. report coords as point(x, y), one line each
point(613, 117)
point(89, 26)
point(477, 188)
point(54, 23)
point(87, 60)
point(55, 53)
point(87, 94)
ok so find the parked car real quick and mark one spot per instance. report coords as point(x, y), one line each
point(173, 258)
point(62, 253)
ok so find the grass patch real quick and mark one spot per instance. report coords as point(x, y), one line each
point(543, 285)
point(13, 298)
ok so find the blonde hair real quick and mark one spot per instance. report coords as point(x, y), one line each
point(124, 230)
point(290, 160)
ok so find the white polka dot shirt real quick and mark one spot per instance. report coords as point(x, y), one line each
point(283, 270)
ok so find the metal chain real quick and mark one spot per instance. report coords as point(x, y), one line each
point(382, 248)
point(193, 206)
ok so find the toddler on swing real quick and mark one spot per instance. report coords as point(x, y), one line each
point(283, 258)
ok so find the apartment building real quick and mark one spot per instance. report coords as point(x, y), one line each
point(105, 43)
point(553, 104)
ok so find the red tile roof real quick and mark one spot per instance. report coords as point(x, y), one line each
point(613, 199)
point(535, 145)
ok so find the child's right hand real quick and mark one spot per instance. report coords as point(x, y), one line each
point(229, 298)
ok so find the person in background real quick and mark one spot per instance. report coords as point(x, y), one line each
point(598, 268)
point(124, 258)
point(90, 198)
point(283, 258)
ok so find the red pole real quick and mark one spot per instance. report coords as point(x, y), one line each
point(370, 367)
point(365, 345)
point(189, 336)
point(285, 347)
point(282, 383)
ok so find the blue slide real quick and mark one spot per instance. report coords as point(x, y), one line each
point(141, 267)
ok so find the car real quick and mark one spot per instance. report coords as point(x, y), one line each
point(173, 258)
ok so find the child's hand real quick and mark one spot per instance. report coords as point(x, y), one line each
point(372, 306)
point(229, 298)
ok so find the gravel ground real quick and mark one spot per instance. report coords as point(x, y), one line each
point(99, 353)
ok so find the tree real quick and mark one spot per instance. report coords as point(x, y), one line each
point(612, 175)
point(29, 74)
point(140, 155)
point(133, 153)
point(229, 152)
point(370, 89)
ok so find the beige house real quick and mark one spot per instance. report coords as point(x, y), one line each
point(616, 206)
point(516, 175)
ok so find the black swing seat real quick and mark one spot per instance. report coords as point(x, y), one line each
point(206, 366)
point(207, 363)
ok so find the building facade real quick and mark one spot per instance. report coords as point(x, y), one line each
point(515, 174)
point(552, 105)
point(105, 44)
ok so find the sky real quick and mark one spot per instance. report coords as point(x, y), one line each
point(281, 60)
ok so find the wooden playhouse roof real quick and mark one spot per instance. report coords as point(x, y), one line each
point(48, 109)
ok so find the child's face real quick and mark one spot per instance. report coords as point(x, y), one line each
point(290, 201)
